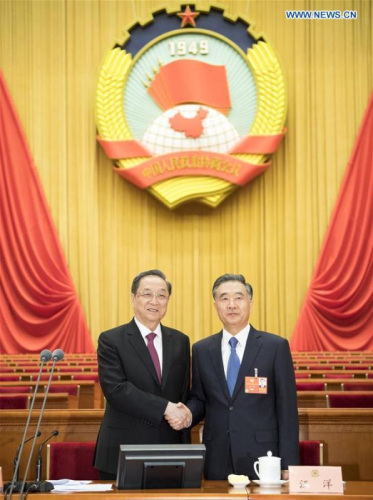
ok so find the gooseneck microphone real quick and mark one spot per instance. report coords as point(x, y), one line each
point(45, 356)
point(57, 355)
point(39, 460)
point(16, 469)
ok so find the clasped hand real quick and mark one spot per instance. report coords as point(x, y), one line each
point(178, 416)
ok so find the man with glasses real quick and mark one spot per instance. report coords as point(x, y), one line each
point(144, 372)
point(243, 387)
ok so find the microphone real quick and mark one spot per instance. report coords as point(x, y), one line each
point(39, 459)
point(57, 355)
point(17, 455)
point(45, 356)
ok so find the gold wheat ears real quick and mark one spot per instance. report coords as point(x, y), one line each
point(269, 119)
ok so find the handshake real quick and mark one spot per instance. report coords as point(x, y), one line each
point(178, 416)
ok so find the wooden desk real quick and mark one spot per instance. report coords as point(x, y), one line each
point(217, 490)
point(347, 435)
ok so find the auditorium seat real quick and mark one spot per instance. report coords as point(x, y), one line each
point(70, 369)
point(85, 376)
point(14, 402)
point(302, 375)
point(355, 386)
point(320, 367)
point(310, 386)
point(15, 389)
point(311, 453)
point(73, 391)
point(28, 363)
point(349, 400)
point(10, 378)
point(71, 460)
point(357, 367)
point(338, 375)
point(45, 376)
point(34, 369)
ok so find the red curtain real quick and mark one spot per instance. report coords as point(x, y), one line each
point(338, 310)
point(38, 302)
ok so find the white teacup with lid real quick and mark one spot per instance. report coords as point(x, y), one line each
point(268, 469)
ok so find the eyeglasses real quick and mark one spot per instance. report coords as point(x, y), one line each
point(161, 297)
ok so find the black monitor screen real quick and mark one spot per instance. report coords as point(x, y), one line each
point(143, 466)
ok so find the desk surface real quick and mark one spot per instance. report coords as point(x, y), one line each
point(217, 490)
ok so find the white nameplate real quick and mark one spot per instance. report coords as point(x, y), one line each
point(315, 479)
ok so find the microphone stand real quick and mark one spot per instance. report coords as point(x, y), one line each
point(45, 356)
point(42, 485)
point(39, 460)
point(17, 455)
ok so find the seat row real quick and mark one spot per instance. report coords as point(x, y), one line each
point(330, 367)
point(69, 398)
point(46, 369)
point(80, 355)
point(344, 386)
point(19, 397)
point(337, 374)
point(24, 378)
point(331, 353)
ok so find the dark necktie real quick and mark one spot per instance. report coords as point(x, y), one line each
point(154, 354)
point(233, 366)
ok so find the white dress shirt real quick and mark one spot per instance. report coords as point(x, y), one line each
point(240, 348)
point(144, 330)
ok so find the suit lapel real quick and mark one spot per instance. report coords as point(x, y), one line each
point(137, 342)
point(167, 353)
point(217, 361)
point(252, 348)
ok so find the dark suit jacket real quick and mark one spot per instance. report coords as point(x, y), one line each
point(135, 400)
point(245, 425)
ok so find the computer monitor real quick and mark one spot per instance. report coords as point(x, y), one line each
point(152, 466)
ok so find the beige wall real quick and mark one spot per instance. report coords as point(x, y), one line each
point(271, 230)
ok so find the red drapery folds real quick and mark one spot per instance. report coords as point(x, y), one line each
point(39, 305)
point(338, 310)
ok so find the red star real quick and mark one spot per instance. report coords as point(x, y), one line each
point(188, 17)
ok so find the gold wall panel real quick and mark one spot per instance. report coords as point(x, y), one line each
point(271, 230)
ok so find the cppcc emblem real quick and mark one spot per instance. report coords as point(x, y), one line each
point(191, 104)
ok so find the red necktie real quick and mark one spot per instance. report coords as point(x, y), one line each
point(154, 354)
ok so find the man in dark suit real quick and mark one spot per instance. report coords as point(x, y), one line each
point(144, 371)
point(243, 419)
